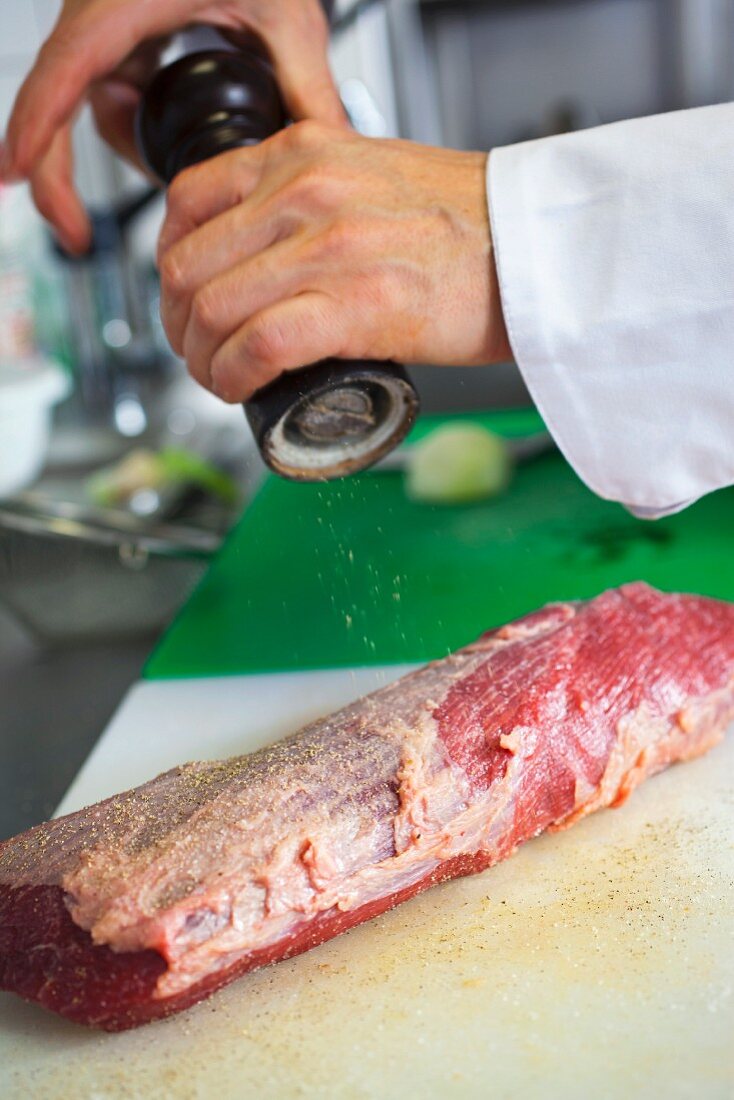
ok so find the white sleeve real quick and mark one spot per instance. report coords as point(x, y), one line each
point(615, 256)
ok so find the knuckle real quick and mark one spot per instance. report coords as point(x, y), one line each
point(205, 311)
point(62, 41)
point(178, 191)
point(388, 286)
point(339, 238)
point(380, 293)
point(307, 135)
point(173, 275)
point(312, 188)
point(267, 343)
point(239, 172)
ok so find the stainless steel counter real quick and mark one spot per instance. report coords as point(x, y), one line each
point(53, 706)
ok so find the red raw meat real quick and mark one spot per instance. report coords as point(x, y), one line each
point(146, 903)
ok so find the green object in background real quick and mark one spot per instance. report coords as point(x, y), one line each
point(353, 573)
point(142, 468)
point(186, 466)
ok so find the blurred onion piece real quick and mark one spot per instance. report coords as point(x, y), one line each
point(458, 464)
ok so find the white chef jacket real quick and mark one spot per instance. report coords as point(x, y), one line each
point(615, 255)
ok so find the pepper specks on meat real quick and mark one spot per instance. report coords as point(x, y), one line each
point(139, 906)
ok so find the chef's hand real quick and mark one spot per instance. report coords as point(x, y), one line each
point(91, 54)
point(320, 242)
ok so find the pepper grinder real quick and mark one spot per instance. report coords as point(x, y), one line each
point(324, 421)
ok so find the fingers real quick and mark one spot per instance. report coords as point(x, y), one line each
point(289, 203)
point(77, 51)
point(210, 251)
point(54, 195)
point(303, 74)
point(82, 48)
point(224, 305)
point(200, 193)
point(286, 336)
point(279, 164)
point(114, 104)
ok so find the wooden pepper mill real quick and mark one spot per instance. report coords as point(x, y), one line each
point(327, 420)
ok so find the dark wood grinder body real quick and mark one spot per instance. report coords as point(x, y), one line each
point(324, 421)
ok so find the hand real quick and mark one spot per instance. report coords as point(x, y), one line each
point(321, 243)
point(92, 54)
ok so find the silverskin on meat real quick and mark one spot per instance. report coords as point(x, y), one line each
point(140, 906)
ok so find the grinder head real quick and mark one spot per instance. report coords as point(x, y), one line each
point(332, 419)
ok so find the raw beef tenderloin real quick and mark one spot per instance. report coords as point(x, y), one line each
point(144, 904)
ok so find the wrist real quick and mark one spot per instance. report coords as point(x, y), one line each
point(499, 347)
point(496, 345)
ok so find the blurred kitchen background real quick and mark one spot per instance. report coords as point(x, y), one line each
point(118, 476)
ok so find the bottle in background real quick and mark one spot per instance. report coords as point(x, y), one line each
point(30, 383)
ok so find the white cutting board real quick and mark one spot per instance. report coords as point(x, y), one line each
point(595, 963)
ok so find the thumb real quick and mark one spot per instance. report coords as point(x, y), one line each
point(300, 58)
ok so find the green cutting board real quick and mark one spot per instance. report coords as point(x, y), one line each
point(353, 573)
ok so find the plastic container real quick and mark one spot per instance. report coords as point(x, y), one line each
point(27, 396)
point(30, 384)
